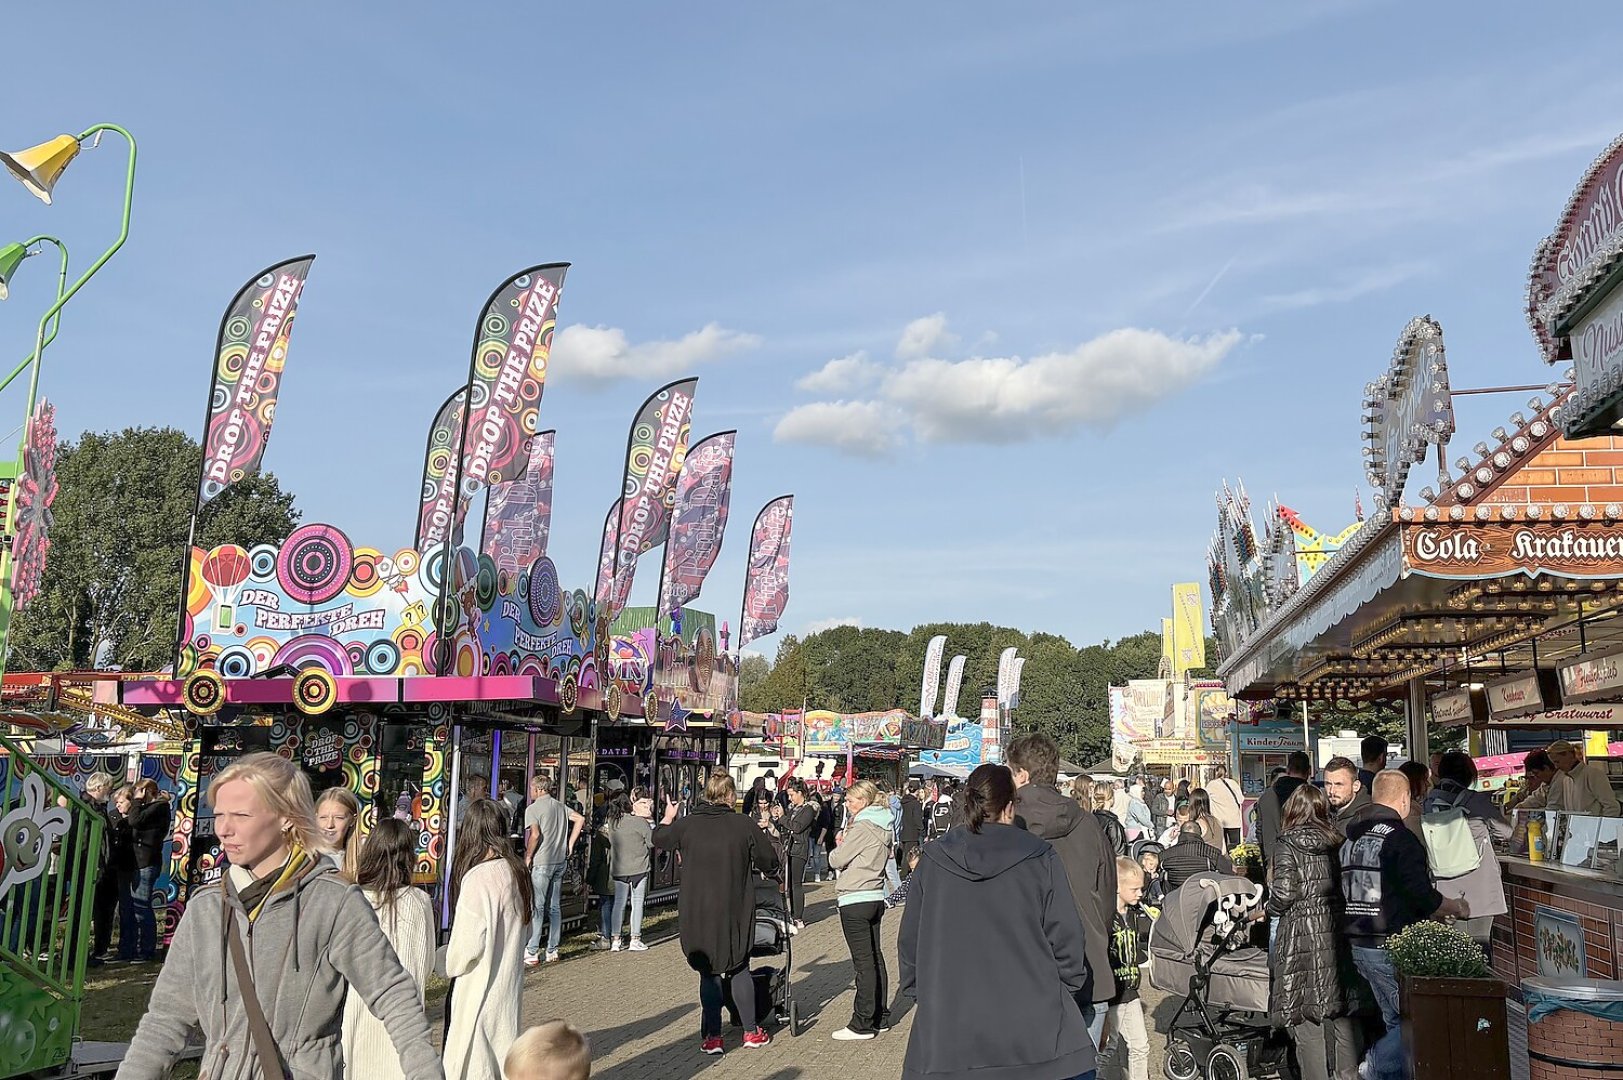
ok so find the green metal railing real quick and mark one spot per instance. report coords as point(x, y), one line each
point(50, 856)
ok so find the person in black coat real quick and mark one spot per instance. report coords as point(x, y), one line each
point(910, 831)
point(150, 821)
point(797, 826)
point(1192, 855)
point(1270, 808)
point(715, 908)
point(993, 950)
point(1309, 957)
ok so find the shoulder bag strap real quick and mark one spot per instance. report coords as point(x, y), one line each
point(270, 1061)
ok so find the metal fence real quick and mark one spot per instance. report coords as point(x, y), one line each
point(50, 857)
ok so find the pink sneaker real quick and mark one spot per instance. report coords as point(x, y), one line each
point(754, 1040)
point(713, 1046)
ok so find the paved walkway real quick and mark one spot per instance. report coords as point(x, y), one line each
point(641, 1011)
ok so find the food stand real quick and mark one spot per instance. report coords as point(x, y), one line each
point(1492, 600)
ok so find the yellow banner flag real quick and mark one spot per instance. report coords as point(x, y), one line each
point(1188, 628)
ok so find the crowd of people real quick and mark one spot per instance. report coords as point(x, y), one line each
point(313, 954)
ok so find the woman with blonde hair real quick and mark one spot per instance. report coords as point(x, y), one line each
point(493, 897)
point(715, 907)
point(384, 873)
point(860, 859)
point(261, 963)
point(338, 815)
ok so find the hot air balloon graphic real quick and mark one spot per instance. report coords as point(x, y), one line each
point(224, 570)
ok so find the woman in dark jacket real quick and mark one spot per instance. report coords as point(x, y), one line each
point(149, 824)
point(1023, 1024)
point(1309, 956)
point(1115, 831)
point(715, 909)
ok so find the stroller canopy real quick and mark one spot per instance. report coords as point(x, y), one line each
point(1186, 910)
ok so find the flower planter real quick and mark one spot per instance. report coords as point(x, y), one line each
point(1454, 1029)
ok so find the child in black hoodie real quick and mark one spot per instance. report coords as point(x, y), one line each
point(1129, 952)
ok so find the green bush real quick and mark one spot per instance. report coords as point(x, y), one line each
point(1432, 950)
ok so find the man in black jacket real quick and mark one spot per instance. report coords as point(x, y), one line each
point(1349, 799)
point(1089, 861)
point(910, 833)
point(1192, 855)
point(798, 824)
point(1271, 807)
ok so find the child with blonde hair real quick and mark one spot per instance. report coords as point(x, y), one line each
point(1129, 952)
point(551, 1050)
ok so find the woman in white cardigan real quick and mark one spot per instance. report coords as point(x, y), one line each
point(491, 902)
point(407, 916)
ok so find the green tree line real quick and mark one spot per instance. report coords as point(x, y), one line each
point(1064, 690)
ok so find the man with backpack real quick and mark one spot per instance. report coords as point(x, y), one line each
point(910, 831)
point(1458, 826)
point(941, 811)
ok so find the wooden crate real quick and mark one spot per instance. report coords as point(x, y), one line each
point(1455, 1029)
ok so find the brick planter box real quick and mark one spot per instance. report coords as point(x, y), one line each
point(1570, 1045)
point(1454, 1029)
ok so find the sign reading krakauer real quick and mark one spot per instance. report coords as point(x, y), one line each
point(1519, 695)
point(1469, 550)
point(1591, 677)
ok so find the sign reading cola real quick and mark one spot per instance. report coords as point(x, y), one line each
point(1469, 550)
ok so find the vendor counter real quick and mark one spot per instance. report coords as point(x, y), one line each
point(1563, 922)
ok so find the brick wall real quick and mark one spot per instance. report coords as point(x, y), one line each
point(1589, 470)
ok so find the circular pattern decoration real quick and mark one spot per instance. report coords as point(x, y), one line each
point(544, 601)
point(262, 562)
point(613, 703)
point(356, 651)
point(704, 659)
point(314, 564)
point(406, 561)
point(382, 657)
point(203, 693)
point(568, 694)
point(484, 583)
point(314, 691)
point(650, 707)
point(579, 613)
point(433, 568)
point(186, 662)
point(365, 579)
point(235, 662)
point(314, 649)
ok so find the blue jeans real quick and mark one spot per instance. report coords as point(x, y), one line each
point(634, 889)
point(548, 879)
point(138, 927)
point(893, 879)
point(1385, 1058)
point(1094, 1016)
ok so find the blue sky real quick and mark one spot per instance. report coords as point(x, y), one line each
point(1076, 263)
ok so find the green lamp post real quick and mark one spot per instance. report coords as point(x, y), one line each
point(38, 168)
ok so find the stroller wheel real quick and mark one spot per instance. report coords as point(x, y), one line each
point(1181, 1063)
point(1225, 1063)
point(794, 1019)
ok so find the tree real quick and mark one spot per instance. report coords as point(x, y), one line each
point(112, 581)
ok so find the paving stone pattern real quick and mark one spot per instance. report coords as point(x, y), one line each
point(641, 1011)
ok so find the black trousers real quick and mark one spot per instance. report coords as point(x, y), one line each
point(861, 925)
point(797, 887)
point(104, 912)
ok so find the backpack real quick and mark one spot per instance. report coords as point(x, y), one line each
point(940, 817)
point(1451, 849)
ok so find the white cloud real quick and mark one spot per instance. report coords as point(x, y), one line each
point(842, 376)
point(923, 336)
point(862, 428)
point(817, 626)
point(603, 354)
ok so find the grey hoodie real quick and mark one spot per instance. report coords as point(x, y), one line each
point(992, 948)
point(1090, 866)
point(310, 943)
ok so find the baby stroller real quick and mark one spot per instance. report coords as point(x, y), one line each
point(1201, 948)
point(774, 1000)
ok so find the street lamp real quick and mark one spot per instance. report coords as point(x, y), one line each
point(38, 168)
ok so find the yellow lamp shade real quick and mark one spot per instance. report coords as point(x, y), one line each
point(39, 166)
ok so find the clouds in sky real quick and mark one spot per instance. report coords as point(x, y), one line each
point(995, 399)
point(603, 354)
point(817, 626)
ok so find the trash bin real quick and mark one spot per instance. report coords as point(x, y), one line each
point(1574, 1028)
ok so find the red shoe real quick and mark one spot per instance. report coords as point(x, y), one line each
point(713, 1046)
point(754, 1040)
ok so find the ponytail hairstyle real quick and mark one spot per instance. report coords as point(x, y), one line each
point(988, 792)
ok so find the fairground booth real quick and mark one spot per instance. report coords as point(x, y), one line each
point(829, 749)
point(1489, 601)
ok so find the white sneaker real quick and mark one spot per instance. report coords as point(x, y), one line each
point(636, 946)
point(531, 959)
point(552, 958)
point(845, 1034)
point(615, 947)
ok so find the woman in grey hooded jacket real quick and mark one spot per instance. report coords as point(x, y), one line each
point(303, 935)
point(861, 858)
